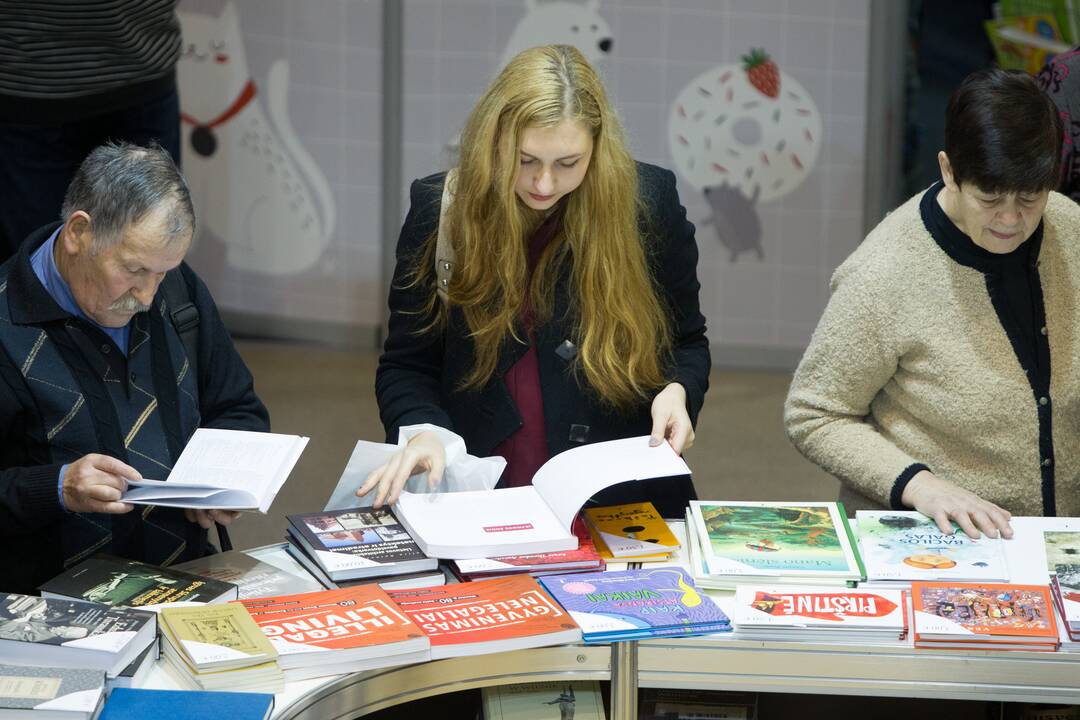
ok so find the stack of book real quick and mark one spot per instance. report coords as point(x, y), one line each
point(72, 634)
point(1063, 560)
point(114, 581)
point(816, 614)
point(584, 558)
point(769, 543)
point(254, 578)
point(337, 631)
point(51, 693)
point(136, 672)
point(360, 545)
point(633, 604)
point(487, 616)
point(973, 616)
point(218, 647)
point(631, 533)
point(127, 704)
point(900, 547)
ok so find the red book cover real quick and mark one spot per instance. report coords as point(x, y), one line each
point(983, 612)
point(506, 613)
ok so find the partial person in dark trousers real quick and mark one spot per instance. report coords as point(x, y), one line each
point(75, 74)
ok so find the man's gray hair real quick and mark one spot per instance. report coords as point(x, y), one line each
point(119, 184)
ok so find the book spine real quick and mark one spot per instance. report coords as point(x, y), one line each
point(851, 541)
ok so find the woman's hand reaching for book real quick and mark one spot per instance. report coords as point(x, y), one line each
point(670, 420)
point(946, 502)
point(424, 452)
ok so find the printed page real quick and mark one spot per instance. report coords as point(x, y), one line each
point(570, 478)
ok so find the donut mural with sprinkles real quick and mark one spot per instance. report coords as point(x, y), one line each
point(744, 134)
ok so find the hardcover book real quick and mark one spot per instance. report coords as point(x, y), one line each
point(358, 543)
point(487, 616)
point(905, 546)
point(338, 631)
point(630, 604)
point(808, 542)
point(253, 577)
point(959, 614)
point(115, 581)
point(71, 633)
point(630, 532)
point(44, 692)
point(126, 704)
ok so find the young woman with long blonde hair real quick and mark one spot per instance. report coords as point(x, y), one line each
point(560, 308)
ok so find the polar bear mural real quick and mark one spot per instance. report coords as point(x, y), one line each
point(561, 22)
point(253, 184)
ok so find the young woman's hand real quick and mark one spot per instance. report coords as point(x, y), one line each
point(945, 502)
point(670, 420)
point(423, 452)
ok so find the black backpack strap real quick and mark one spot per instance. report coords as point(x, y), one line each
point(184, 315)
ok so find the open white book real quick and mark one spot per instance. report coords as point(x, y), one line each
point(536, 518)
point(223, 470)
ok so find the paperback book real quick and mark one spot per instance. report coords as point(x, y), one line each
point(127, 704)
point(72, 634)
point(253, 577)
point(633, 532)
point(1063, 559)
point(50, 693)
point(582, 559)
point(820, 614)
point(487, 616)
point(967, 615)
point(338, 631)
point(633, 604)
point(353, 544)
point(115, 581)
point(424, 578)
point(135, 674)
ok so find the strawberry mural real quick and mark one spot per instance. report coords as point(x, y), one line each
point(762, 72)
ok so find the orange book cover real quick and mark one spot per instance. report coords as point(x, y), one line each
point(981, 612)
point(504, 613)
point(342, 619)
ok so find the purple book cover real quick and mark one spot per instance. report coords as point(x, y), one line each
point(634, 601)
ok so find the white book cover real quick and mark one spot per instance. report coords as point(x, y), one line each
point(815, 607)
point(1026, 554)
point(225, 470)
point(84, 701)
point(931, 625)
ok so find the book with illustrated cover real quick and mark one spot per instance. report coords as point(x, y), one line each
point(115, 581)
point(630, 532)
point(544, 701)
point(487, 616)
point(55, 693)
point(907, 545)
point(358, 543)
point(969, 614)
point(809, 542)
point(253, 577)
point(72, 633)
point(215, 637)
point(631, 604)
point(808, 612)
point(338, 631)
point(127, 704)
point(1063, 560)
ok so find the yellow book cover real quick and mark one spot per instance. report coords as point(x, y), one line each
point(630, 532)
point(216, 637)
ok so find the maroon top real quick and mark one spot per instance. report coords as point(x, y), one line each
point(527, 448)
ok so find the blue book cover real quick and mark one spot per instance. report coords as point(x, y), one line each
point(633, 604)
point(138, 704)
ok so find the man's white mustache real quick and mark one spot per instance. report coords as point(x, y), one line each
point(128, 304)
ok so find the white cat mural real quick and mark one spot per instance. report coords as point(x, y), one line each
point(253, 184)
point(561, 22)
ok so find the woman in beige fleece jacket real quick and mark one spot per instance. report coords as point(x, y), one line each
point(944, 374)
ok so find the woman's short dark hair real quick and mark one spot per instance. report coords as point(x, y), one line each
point(1002, 134)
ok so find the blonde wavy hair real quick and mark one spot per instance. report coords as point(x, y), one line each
point(622, 329)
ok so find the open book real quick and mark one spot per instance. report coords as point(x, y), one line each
point(535, 518)
point(223, 470)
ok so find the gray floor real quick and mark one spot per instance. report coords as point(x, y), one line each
point(741, 452)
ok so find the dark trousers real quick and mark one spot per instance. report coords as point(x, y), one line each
point(38, 161)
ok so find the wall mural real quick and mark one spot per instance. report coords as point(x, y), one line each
point(743, 134)
point(254, 186)
point(561, 23)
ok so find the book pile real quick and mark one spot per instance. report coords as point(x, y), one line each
point(114, 581)
point(975, 616)
point(218, 647)
point(134, 675)
point(769, 543)
point(53, 693)
point(816, 614)
point(633, 604)
point(337, 631)
point(630, 533)
point(900, 546)
point(368, 545)
point(1063, 559)
point(125, 704)
point(253, 577)
point(72, 634)
point(487, 616)
point(584, 558)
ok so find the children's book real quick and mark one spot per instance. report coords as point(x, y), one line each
point(50, 693)
point(906, 546)
point(487, 616)
point(805, 612)
point(534, 518)
point(338, 631)
point(115, 581)
point(358, 543)
point(128, 704)
point(633, 532)
point(969, 614)
point(544, 701)
point(1063, 560)
point(808, 542)
point(253, 577)
point(632, 604)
